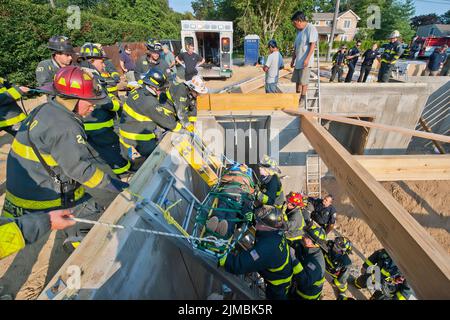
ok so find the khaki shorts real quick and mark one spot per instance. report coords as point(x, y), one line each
point(301, 76)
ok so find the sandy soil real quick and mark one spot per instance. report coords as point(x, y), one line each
point(425, 200)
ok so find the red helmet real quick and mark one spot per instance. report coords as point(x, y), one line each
point(74, 82)
point(295, 199)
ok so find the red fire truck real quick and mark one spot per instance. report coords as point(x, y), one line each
point(423, 47)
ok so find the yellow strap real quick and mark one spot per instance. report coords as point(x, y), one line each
point(96, 179)
point(308, 297)
point(385, 273)
point(137, 136)
point(40, 205)
point(98, 125)
point(123, 169)
point(116, 105)
point(14, 93)
point(298, 268)
point(11, 239)
point(368, 262)
point(192, 119)
point(12, 121)
point(400, 296)
point(126, 145)
point(139, 117)
point(27, 152)
point(114, 73)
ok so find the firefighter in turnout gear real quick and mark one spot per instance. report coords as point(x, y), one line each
point(152, 59)
point(99, 124)
point(110, 70)
point(293, 216)
point(62, 51)
point(10, 113)
point(49, 164)
point(270, 256)
point(143, 114)
point(392, 285)
point(338, 261)
point(309, 282)
point(271, 190)
point(15, 233)
point(184, 98)
point(392, 52)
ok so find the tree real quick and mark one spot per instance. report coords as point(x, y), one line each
point(425, 19)
point(396, 15)
point(445, 18)
point(204, 9)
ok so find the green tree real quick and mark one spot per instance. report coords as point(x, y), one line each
point(446, 17)
point(204, 9)
point(424, 20)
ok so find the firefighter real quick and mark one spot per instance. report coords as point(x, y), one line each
point(392, 286)
point(143, 113)
point(392, 52)
point(271, 190)
point(339, 61)
point(99, 124)
point(62, 51)
point(309, 282)
point(49, 164)
point(338, 261)
point(15, 233)
point(10, 113)
point(293, 216)
point(270, 256)
point(324, 212)
point(110, 70)
point(152, 59)
point(184, 98)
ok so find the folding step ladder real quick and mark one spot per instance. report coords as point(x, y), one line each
point(313, 173)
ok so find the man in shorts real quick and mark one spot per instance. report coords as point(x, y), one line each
point(303, 56)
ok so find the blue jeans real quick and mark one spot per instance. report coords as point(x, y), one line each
point(272, 88)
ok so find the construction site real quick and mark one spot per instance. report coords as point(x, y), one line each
point(373, 146)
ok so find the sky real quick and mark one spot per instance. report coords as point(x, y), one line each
point(422, 6)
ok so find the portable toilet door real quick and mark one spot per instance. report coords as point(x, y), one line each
point(251, 49)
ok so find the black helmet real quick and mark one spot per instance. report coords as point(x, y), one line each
point(270, 216)
point(155, 78)
point(343, 245)
point(60, 44)
point(153, 45)
point(90, 50)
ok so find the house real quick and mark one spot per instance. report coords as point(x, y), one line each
point(346, 27)
point(437, 30)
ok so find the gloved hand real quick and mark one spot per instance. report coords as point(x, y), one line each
point(248, 216)
point(117, 185)
point(221, 261)
point(190, 127)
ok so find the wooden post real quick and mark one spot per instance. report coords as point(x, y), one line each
point(425, 264)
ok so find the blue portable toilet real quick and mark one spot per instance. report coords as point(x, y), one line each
point(251, 49)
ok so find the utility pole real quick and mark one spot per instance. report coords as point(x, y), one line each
point(333, 30)
point(52, 4)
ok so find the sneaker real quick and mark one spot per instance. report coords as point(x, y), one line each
point(212, 224)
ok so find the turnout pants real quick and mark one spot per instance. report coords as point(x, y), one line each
point(385, 72)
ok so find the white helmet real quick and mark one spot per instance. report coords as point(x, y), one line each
point(197, 84)
point(394, 34)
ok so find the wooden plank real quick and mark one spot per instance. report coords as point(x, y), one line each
point(421, 259)
point(96, 246)
point(427, 129)
point(250, 101)
point(415, 133)
point(259, 82)
point(408, 167)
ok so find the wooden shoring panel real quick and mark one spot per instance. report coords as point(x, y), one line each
point(250, 101)
point(421, 259)
point(407, 167)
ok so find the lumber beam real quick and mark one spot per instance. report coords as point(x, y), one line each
point(421, 259)
point(250, 101)
point(407, 167)
point(367, 124)
point(427, 129)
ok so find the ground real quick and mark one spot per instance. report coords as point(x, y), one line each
point(25, 274)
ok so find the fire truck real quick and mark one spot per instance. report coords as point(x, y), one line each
point(423, 47)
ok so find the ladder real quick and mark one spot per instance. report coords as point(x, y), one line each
point(313, 173)
point(313, 93)
point(313, 170)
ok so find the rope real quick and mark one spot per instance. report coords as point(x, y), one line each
point(211, 239)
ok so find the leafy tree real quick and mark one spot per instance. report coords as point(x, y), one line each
point(204, 9)
point(425, 19)
point(446, 17)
